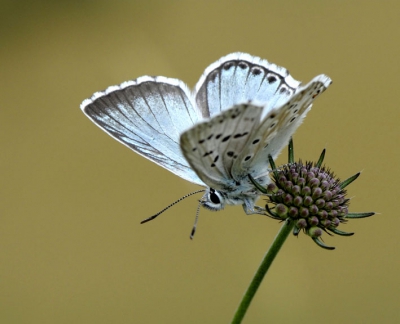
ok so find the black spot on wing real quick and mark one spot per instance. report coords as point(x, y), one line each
point(207, 153)
point(243, 65)
point(215, 160)
point(213, 75)
point(255, 70)
point(239, 135)
point(284, 90)
point(228, 65)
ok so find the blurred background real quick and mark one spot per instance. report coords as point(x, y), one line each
point(71, 197)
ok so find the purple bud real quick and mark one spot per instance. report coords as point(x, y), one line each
point(313, 209)
point(315, 232)
point(308, 200)
point(277, 197)
point(282, 179)
point(304, 212)
point(320, 203)
point(310, 175)
point(281, 210)
point(313, 220)
point(333, 213)
point(296, 190)
point(327, 195)
point(301, 223)
point(293, 212)
point(298, 201)
point(323, 214)
point(326, 222)
point(328, 205)
point(336, 202)
point(294, 176)
point(306, 191)
point(316, 193)
point(324, 184)
point(288, 185)
point(287, 199)
point(301, 181)
point(314, 182)
point(272, 187)
point(335, 222)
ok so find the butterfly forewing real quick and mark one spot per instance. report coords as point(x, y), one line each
point(212, 147)
point(276, 129)
point(238, 78)
point(148, 115)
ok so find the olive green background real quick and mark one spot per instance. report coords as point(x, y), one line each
point(71, 197)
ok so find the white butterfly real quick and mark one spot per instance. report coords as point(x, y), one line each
point(242, 110)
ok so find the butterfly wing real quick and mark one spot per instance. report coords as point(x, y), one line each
point(238, 78)
point(212, 147)
point(148, 115)
point(275, 130)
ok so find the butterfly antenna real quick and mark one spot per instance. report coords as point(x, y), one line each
point(195, 221)
point(174, 203)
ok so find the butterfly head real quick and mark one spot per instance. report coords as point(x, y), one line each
point(213, 200)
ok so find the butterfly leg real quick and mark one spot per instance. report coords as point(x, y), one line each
point(250, 209)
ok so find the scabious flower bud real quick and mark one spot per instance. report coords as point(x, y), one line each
point(301, 223)
point(314, 232)
point(281, 210)
point(311, 196)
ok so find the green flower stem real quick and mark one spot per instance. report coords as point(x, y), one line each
point(262, 270)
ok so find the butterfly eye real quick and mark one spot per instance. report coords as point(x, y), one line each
point(214, 198)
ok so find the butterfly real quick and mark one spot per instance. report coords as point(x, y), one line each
point(242, 110)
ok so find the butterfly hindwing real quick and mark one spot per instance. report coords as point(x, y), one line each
point(238, 78)
point(212, 147)
point(148, 115)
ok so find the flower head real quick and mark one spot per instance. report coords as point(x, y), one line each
point(309, 195)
